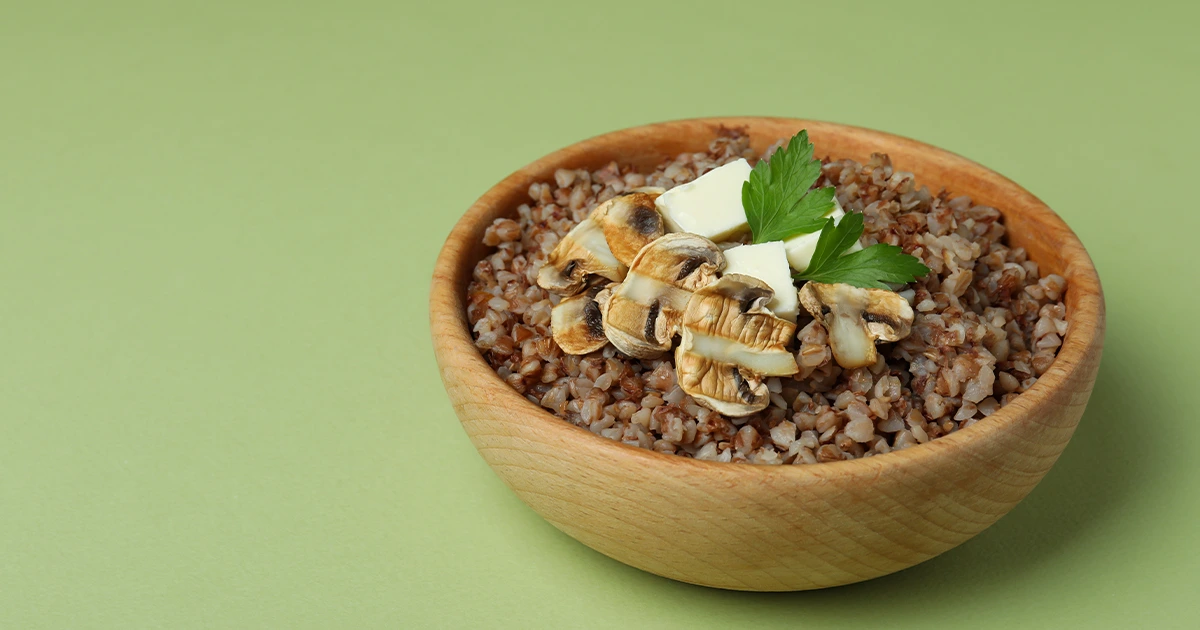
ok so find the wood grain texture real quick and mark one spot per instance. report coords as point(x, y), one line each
point(772, 528)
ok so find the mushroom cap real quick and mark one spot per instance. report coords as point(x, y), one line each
point(856, 318)
point(730, 340)
point(620, 318)
point(630, 221)
point(583, 252)
point(643, 312)
point(680, 259)
point(889, 316)
point(576, 322)
point(723, 387)
point(749, 293)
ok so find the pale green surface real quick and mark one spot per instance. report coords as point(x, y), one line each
point(218, 400)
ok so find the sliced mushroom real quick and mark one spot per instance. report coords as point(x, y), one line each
point(630, 222)
point(583, 252)
point(722, 387)
point(642, 314)
point(576, 323)
point(856, 319)
point(730, 340)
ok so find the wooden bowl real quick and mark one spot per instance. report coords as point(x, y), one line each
point(772, 528)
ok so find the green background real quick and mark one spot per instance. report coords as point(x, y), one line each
point(218, 400)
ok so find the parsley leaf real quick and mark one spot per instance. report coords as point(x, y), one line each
point(777, 198)
point(869, 268)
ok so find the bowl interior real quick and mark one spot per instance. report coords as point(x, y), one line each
point(1030, 224)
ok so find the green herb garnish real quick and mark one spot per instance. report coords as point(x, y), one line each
point(778, 199)
point(869, 268)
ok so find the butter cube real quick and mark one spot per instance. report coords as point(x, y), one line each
point(710, 205)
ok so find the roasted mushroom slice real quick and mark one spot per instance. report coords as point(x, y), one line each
point(642, 314)
point(630, 222)
point(722, 387)
point(583, 252)
point(576, 323)
point(856, 318)
point(730, 340)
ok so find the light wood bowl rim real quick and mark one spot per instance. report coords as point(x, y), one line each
point(452, 333)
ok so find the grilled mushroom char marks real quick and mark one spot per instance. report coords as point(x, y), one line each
point(582, 253)
point(576, 322)
point(642, 314)
point(630, 222)
point(730, 341)
point(856, 319)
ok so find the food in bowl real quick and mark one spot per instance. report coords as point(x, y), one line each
point(814, 312)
